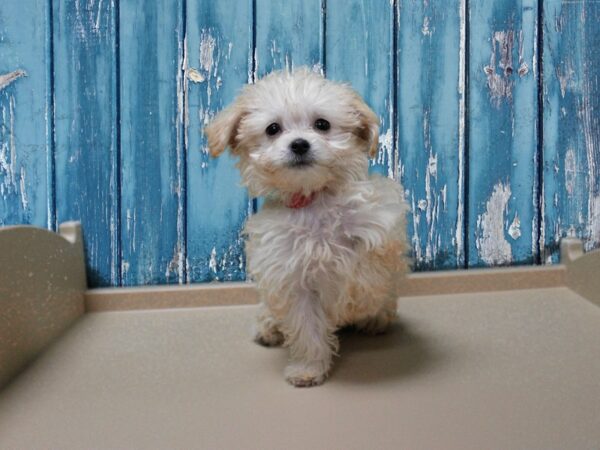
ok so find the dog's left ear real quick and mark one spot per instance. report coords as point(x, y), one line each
point(222, 130)
point(368, 129)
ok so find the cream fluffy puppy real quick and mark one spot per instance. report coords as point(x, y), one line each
point(327, 249)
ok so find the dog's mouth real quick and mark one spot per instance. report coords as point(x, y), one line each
point(301, 163)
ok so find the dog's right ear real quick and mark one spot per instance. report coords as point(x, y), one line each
point(222, 130)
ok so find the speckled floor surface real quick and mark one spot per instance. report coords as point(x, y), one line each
point(509, 370)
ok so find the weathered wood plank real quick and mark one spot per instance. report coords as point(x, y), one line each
point(503, 170)
point(571, 124)
point(359, 48)
point(152, 167)
point(431, 128)
point(87, 176)
point(25, 114)
point(288, 35)
point(219, 57)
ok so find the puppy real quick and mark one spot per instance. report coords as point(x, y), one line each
point(326, 250)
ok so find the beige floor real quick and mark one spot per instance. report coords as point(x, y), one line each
point(510, 370)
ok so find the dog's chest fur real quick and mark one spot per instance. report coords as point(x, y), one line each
point(322, 244)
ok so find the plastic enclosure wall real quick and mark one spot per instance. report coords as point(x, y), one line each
point(42, 284)
point(583, 269)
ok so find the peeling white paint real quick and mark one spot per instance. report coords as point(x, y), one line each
point(182, 105)
point(87, 17)
point(204, 116)
point(536, 227)
point(570, 171)
point(535, 51)
point(425, 28)
point(430, 171)
point(593, 221)
point(273, 50)
point(23, 189)
point(515, 228)
point(212, 263)
point(176, 262)
point(444, 192)
point(194, 75)
point(386, 149)
point(98, 14)
point(128, 218)
point(416, 242)
point(491, 243)
point(252, 62)
point(207, 50)
point(542, 225)
point(523, 69)
point(124, 268)
point(8, 78)
point(432, 164)
point(8, 152)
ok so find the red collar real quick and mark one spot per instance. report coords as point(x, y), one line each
point(299, 200)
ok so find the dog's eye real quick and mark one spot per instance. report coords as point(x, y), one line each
point(322, 124)
point(273, 129)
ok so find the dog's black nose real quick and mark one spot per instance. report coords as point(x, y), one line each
point(300, 146)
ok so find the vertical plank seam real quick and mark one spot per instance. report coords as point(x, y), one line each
point(466, 149)
point(253, 42)
point(324, 37)
point(117, 233)
point(253, 74)
point(395, 77)
point(540, 130)
point(182, 206)
point(50, 121)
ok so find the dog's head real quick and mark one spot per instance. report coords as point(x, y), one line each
point(296, 132)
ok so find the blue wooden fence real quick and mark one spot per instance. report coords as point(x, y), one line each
point(490, 114)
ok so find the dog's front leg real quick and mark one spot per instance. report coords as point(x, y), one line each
point(311, 340)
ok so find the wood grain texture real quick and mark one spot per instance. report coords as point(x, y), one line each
point(502, 164)
point(219, 62)
point(87, 162)
point(359, 50)
point(571, 148)
point(152, 166)
point(25, 114)
point(431, 128)
point(288, 35)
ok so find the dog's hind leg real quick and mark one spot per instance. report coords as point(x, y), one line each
point(380, 322)
point(268, 332)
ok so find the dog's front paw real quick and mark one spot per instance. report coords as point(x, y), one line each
point(303, 374)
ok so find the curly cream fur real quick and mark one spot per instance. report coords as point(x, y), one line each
point(337, 261)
